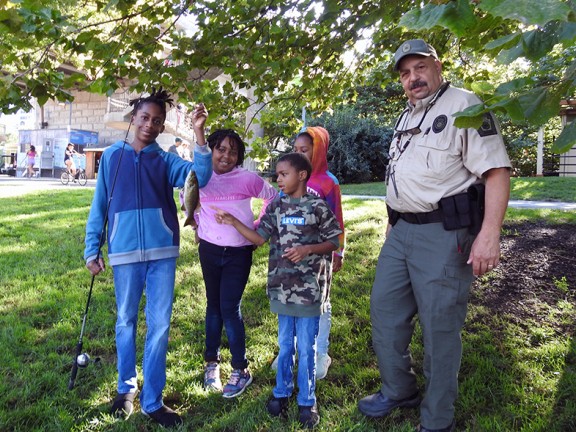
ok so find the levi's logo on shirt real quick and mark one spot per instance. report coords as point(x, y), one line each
point(293, 220)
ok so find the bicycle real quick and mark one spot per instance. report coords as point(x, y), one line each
point(67, 177)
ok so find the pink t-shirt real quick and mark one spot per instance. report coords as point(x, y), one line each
point(31, 157)
point(232, 192)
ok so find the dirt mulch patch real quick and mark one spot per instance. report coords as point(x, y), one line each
point(536, 271)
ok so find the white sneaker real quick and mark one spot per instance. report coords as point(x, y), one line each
point(212, 377)
point(323, 362)
point(274, 365)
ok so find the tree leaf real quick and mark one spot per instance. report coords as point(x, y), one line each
point(539, 105)
point(537, 43)
point(511, 106)
point(471, 117)
point(456, 16)
point(566, 140)
point(504, 41)
point(527, 11)
point(482, 87)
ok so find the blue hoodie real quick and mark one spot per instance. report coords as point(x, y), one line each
point(142, 220)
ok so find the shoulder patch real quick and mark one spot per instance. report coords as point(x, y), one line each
point(488, 126)
point(439, 123)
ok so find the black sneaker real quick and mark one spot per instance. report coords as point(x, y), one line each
point(165, 417)
point(277, 406)
point(309, 417)
point(123, 405)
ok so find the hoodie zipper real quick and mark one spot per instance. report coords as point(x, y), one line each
point(139, 221)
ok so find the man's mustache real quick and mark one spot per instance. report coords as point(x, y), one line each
point(418, 84)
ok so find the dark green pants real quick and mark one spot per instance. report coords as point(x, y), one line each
point(422, 270)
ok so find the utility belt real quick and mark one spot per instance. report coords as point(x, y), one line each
point(465, 210)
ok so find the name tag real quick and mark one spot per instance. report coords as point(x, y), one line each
point(292, 220)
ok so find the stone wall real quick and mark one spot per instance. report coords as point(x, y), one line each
point(85, 112)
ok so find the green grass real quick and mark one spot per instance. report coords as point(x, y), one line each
point(522, 188)
point(513, 377)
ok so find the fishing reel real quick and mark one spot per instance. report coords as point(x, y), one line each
point(83, 360)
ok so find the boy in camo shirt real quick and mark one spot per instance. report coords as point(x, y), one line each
point(303, 232)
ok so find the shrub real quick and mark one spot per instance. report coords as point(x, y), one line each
point(358, 151)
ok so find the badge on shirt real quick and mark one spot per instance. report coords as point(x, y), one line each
point(488, 126)
point(439, 123)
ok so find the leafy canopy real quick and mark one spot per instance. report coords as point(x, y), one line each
point(285, 54)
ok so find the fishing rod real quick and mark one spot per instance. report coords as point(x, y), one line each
point(81, 360)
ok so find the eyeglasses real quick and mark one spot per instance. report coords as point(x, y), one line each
point(412, 131)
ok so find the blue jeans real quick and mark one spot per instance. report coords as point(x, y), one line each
point(130, 280)
point(306, 331)
point(323, 342)
point(225, 271)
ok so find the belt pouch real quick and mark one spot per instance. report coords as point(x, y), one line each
point(393, 215)
point(476, 195)
point(455, 212)
point(449, 213)
point(462, 203)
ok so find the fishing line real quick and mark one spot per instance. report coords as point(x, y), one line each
point(79, 356)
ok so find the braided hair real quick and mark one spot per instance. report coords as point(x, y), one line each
point(216, 138)
point(159, 97)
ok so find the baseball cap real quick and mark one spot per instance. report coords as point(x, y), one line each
point(414, 47)
point(177, 139)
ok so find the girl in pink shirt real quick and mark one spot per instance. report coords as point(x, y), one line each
point(226, 256)
point(31, 161)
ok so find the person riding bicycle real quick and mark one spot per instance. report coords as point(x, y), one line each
point(69, 159)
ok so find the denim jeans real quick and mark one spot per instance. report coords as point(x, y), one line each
point(156, 279)
point(305, 330)
point(322, 342)
point(225, 271)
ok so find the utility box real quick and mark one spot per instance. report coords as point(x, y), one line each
point(47, 164)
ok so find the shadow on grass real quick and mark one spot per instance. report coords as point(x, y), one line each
point(562, 417)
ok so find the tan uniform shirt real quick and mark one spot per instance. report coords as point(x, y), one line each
point(442, 160)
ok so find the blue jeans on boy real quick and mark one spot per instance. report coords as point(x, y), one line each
point(225, 271)
point(305, 330)
point(130, 280)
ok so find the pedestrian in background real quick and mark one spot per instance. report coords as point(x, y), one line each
point(31, 161)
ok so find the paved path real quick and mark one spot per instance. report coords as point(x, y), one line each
point(17, 186)
point(13, 186)
point(512, 203)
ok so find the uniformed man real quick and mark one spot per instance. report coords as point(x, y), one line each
point(447, 193)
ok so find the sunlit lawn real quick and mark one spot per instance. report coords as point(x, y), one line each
point(506, 385)
point(522, 188)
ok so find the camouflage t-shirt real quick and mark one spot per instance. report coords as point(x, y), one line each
point(298, 289)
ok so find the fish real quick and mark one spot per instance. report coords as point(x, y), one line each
point(191, 198)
